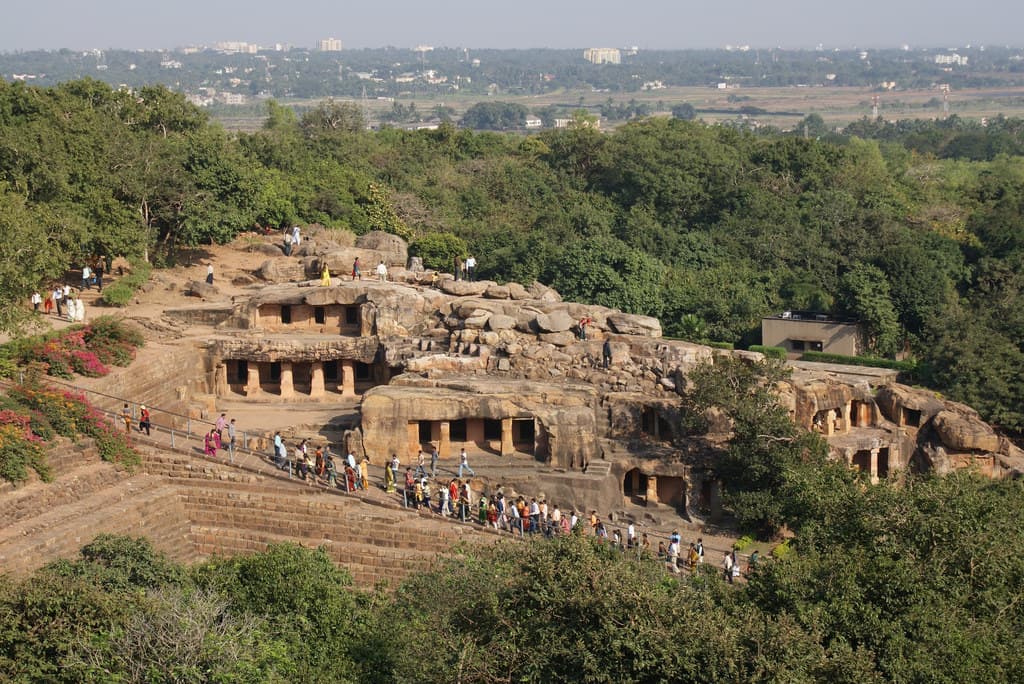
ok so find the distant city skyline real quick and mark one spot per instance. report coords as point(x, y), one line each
point(651, 24)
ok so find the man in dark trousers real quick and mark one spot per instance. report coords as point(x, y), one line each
point(606, 353)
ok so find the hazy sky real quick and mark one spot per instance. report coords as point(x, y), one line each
point(30, 24)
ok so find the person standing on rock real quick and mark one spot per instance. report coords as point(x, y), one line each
point(382, 272)
point(470, 267)
point(464, 463)
point(421, 465)
point(433, 460)
point(356, 273)
point(209, 274)
point(325, 276)
point(364, 473)
point(606, 354)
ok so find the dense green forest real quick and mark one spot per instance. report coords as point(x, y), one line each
point(912, 584)
point(914, 228)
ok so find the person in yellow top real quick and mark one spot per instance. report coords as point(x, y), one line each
point(325, 276)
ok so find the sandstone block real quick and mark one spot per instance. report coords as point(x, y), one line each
point(477, 320)
point(517, 291)
point(281, 269)
point(462, 288)
point(501, 322)
point(965, 433)
point(634, 324)
point(497, 292)
point(390, 244)
point(559, 339)
point(555, 322)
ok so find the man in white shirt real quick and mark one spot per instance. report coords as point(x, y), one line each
point(470, 267)
point(37, 299)
point(382, 272)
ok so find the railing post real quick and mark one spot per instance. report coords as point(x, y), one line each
point(172, 438)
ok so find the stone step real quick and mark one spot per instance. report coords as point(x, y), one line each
point(141, 506)
point(69, 486)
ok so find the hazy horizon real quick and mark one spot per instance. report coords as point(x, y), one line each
point(793, 24)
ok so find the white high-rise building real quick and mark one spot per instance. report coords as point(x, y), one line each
point(603, 55)
point(328, 45)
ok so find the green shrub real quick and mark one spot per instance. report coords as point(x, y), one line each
point(770, 352)
point(19, 451)
point(721, 345)
point(743, 542)
point(438, 250)
point(121, 292)
point(783, 550)
point(867, 361)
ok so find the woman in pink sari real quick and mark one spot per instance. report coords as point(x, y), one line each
point(210, 443)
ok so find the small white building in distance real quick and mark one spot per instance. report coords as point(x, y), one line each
point(603, 55)
point(328, 45)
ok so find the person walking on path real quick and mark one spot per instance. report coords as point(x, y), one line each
point(210, 443)
point(37, 299)
point(99, 277)
point(364, 472)
point(48, 304)
point(86, 275)
point(126, 416)
point(209, 274)
point(222, 422)
point(231, 437)
point(727, 567)
point(144, 419)
point(58, 298)
point(464, 463)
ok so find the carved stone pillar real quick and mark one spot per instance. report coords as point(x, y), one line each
point(507, 448)
point(874, 466)
point(348, 378)
point(252, 380)
point(444, 448)
point(316, 379)
point(287, 382)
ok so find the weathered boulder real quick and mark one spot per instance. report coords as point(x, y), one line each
point(202, 289)
point(281, 269)
point(634, 324)
point(464, 288)
point(555, 322)
point(477, 319)
point(416, 264)
point(501, 322)
point(391, 245)
point(517, 291)
point(543, 293)
point(960, 432)
point(497, 292)
point(559, 339)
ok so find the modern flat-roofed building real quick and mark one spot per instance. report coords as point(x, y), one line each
point(603, 55)
point(801, 331)
point(328, 45)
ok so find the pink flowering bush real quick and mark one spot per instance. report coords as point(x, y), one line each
point(87, 350)
point(71, 415)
